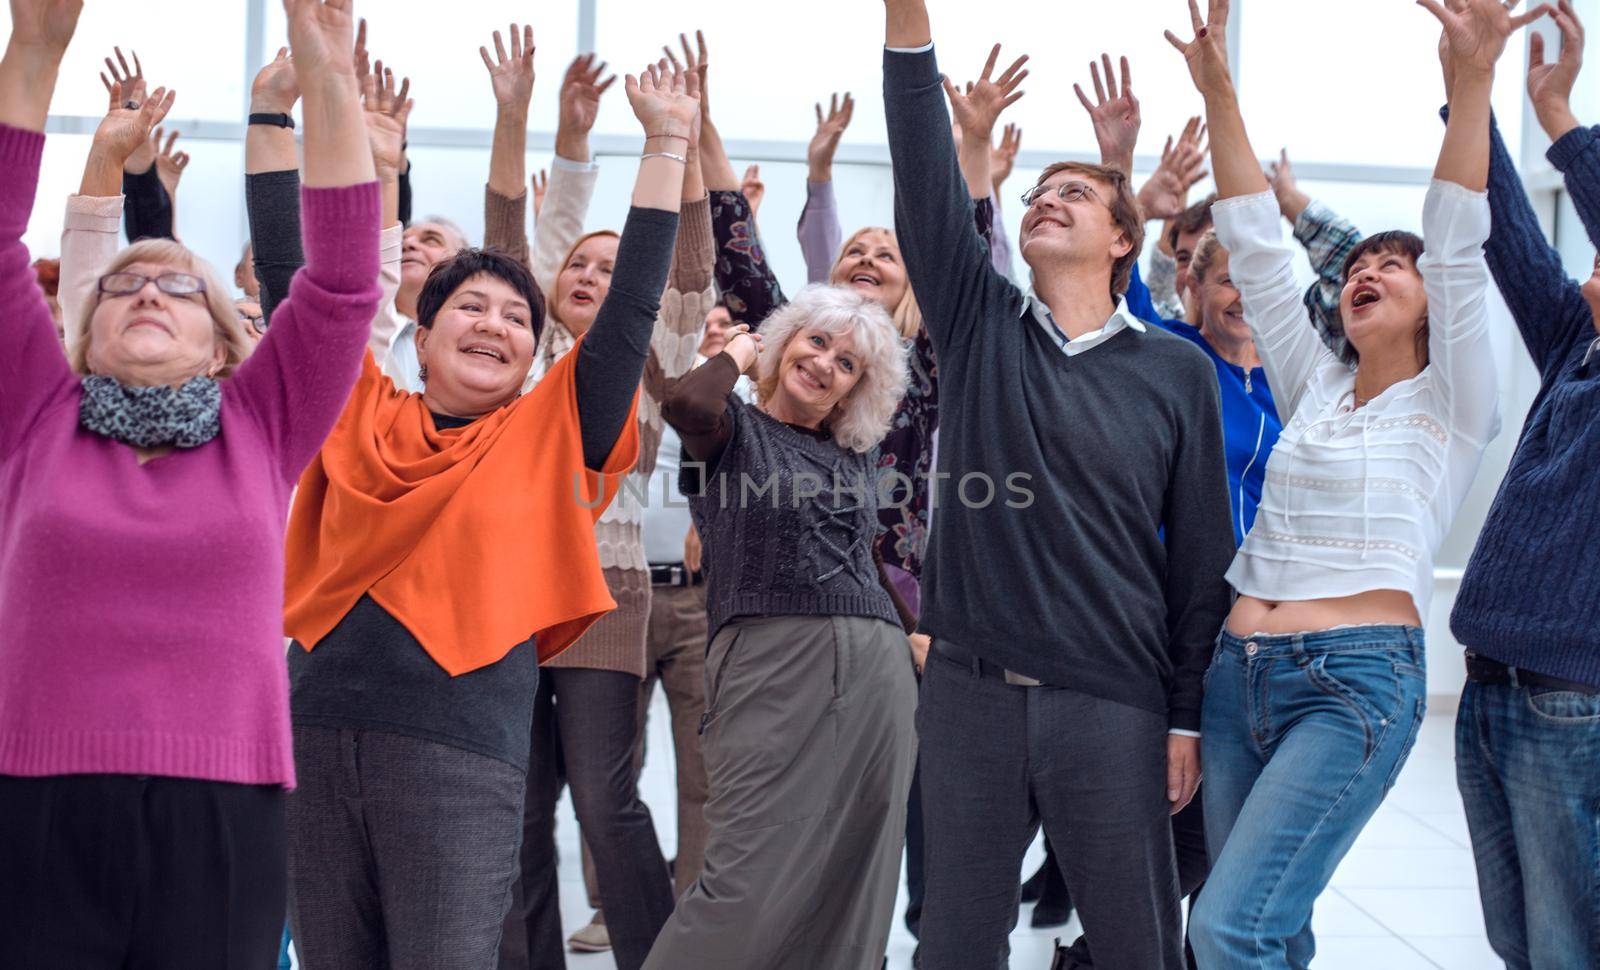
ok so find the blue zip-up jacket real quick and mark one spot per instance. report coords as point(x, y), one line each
point(1250, 423)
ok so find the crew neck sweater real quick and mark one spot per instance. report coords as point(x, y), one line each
point(1106, 577)
point(1531, 593)
point(144, 603)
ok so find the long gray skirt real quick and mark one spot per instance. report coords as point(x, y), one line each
point(809, 744)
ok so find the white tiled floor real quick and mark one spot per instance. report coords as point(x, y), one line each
point(1405, 897)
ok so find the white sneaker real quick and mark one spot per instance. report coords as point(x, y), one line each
point(592, 938)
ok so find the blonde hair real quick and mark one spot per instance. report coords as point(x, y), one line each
point(907, 316)
point(226, 326)
point(1205, 254)
point(861, 420)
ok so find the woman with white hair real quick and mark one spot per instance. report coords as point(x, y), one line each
point(807, 737)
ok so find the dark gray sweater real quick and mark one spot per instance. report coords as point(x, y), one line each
point(1108, 579)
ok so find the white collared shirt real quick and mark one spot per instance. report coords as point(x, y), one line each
point(1121, 319)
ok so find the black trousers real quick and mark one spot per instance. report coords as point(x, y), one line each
point(140, 873)
point(997, 760)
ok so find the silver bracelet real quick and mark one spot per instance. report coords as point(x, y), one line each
point(677, 158)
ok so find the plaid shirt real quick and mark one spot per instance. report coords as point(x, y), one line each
point(1328, 239)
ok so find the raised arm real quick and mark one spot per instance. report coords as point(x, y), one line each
point(612, 355)
point(1248, 222)
point(298, 379)
point(32, 368)
point(697, 404)
point(1575, 151)
point(89, 238)
point(272, 181)
point(506, 195)
point(950, 271)
point(819, 231)
point(1328, 240)
point(386, 112)
point(572, 174)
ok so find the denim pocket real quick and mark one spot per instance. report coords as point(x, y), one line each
point(1216, 655)
point(1564, 706)
point(1365, 680)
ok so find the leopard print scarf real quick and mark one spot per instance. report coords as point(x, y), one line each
point(186, 416)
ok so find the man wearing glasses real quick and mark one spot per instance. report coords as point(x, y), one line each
point(1070, 632)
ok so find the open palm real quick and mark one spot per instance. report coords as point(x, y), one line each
point(977, 110)
point(1476, 30)
point(322, 37)
point(511, 75)
point(1550, 82)
point(580, 93)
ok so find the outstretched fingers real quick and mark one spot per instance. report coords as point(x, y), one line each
point(1010, 75)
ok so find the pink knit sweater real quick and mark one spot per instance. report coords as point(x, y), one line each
point(143, 604)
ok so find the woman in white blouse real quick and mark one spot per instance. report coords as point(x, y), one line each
point(1316, 691)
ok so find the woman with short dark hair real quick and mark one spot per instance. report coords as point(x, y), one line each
point(441, 547)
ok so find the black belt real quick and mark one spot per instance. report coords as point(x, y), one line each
point(674, 574)
point(984, 668)
point(1482, 670)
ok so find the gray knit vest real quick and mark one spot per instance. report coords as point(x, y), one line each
point(787, 522)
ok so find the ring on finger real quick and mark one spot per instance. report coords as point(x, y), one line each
point(131, 105)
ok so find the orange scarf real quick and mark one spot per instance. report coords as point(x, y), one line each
point(473, 538)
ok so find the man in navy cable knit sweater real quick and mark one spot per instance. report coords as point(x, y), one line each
point(1528, 731)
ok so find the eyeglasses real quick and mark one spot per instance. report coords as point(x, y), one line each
point(172, 284)
point(255, 321)
point(1066, 191)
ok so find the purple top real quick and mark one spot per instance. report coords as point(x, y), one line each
point(144, 603)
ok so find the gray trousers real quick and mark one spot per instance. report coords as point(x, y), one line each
point(808, 745)
point(675, 655)
point(401, 852)
point(997, 760)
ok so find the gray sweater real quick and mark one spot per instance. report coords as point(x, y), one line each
point(1107, 577)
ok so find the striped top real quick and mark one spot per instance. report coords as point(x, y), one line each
point(1358, 499)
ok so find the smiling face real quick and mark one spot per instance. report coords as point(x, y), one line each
point(584, 282)
point(1383, 304)
point(149, 337)
point(423, 245)
point(1055, 231)
point(1216, 302)
point(478, 349)
point(817, 370)
point(870, 264)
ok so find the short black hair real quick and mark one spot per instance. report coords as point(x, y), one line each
point(1394, 241)
point(1196, 218)
point(448, 275)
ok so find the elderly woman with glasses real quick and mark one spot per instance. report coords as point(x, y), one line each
point(807, 736)
point(144, 723)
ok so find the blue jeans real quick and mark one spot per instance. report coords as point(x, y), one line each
point(1528, 765)
point(283, 951)
point(1302, 736)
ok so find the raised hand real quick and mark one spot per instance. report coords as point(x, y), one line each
point(169, 163)
point(1003, 156)
point(124, 130)
point(694, 65)
point(1207, 53)
point(830, 128)
point(322, 36)
point(1291, 201)
point(511, 76)
point(581, 90)
point(131, 80)
point(275, 88)
point(385, 111)
point(44, 25)
point(1550, 83)
point(541, 185)
point(753, 189)
point(977, 110)
point(661, 101)
point(1182, 166)
point(1114, 113)
point(1476, 30)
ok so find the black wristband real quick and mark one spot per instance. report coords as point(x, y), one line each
point(276, 120)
